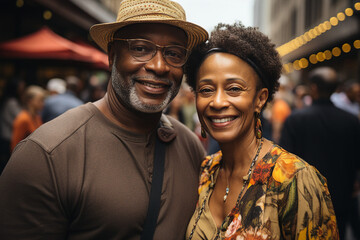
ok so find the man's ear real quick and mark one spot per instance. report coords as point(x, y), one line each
point(261, 98)
point(111, 54)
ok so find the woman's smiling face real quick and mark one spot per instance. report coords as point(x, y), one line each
point(226, 97)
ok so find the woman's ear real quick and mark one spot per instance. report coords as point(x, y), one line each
point(261, 99)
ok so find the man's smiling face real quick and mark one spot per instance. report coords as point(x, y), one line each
point(146, 86)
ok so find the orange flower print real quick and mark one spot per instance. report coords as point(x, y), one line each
point(209, 167)
point(204, 181)
point(262, 173)
point(284, 168)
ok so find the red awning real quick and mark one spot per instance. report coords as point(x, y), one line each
point(45, 44)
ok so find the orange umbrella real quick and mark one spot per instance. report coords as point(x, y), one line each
point(45, 44)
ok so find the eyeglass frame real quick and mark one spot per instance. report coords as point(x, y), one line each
point(154, 53)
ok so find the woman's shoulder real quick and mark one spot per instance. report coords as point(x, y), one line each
point(289, 165)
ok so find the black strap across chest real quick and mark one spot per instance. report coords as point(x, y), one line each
point(155, 192)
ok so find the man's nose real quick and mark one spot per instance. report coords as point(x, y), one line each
point(158, 64)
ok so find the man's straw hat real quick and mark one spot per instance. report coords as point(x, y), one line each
point(148, 11)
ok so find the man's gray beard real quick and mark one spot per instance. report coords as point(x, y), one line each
point(129, 96)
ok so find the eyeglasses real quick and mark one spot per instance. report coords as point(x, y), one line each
point(144, 50)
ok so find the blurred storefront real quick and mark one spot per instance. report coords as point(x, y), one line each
point(312, 33)
point(51, 23)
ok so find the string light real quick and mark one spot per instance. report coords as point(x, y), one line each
point(47, 15)
point(349, 12)
point(313, 33)
point(341, 16)
point(316, 31)
point(336, 51)
point(19, 3)
point(334, 21)
point(346, 48)
point(296, 65)
point(304, 63)
point(328, 54)
point(319, 57)
point(357, 6)
point(357, 44)
point(313, 59)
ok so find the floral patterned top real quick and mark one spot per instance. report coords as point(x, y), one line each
point(286, 198)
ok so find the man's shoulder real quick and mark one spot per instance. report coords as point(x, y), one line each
point(186, 138)
point(180, 128)
point(52, 133)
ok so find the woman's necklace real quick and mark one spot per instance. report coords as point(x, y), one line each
point(227, 190)
point(225, 196)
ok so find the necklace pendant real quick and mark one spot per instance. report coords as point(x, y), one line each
point(226, 193)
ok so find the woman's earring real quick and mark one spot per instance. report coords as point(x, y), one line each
point(258, 127)
point(203, 133)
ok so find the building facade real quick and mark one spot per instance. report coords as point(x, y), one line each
point(311, 33)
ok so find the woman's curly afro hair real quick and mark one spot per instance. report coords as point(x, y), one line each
point(246, 43)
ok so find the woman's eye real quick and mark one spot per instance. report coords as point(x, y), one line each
point(235, 89)
point(205, 91)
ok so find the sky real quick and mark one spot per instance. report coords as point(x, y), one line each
point(208, 13)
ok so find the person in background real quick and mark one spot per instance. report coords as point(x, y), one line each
point(302, 98)
point(95, 89)
point(281, 108)
point(175, 107)
point(348, 99)
point(252, 188)
point(328, 138)
point(188, 107)
point(56, 86)
point(10, 107)
point(29, 119)
point(89, 173)
point(57, 104)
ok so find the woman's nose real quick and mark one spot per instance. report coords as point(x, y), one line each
point(219, 100)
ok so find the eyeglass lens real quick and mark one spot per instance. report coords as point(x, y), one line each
point(144, 50)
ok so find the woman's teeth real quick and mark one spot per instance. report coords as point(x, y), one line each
point(222, 120)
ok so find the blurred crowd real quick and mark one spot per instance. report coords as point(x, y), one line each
point(23, 108)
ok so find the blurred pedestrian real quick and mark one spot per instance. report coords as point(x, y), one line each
point(10, 107)
point(301, 96)
point(188, 107)
point(56, 86)
point(328, 138)
point(175, 107)
point(348, 99)
point(56, 105)
point(281, 107)
point(95, 89)
point(29, 119)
